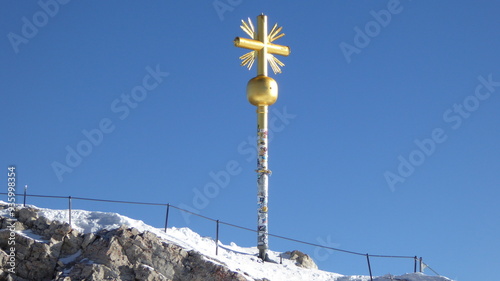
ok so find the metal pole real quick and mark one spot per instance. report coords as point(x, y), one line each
point(217, 238)
point(262, 146)
point(369, 266)
point(262, 91)
point(415, 265)
point(166, 217)
point(25, 188)
point(262, 37)
point(421, 265)
point(69, 213)
point(262, 182)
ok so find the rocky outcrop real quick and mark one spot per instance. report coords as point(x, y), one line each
point(51, 250)
point(301, 259)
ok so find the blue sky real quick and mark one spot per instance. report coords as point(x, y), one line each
point(385, 133)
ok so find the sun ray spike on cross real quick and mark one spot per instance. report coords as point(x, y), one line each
point(262, 91)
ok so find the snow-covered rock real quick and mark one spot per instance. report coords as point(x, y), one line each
point(108, 246)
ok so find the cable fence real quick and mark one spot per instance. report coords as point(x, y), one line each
point(417, 262)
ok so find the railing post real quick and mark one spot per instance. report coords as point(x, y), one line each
point(369, 266)
point(421, 265)
point(166, 217)
point(415, 264)
point(217, 238)
point(25, 188)
point(69, 207)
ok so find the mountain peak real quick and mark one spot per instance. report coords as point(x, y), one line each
point(109, 246)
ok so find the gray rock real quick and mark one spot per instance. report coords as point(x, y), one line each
point(121, 254)
point(28, 215)
point(147, 273)
point(72, 243)
point(87, 239)
point(301, 259)
point(39, 225)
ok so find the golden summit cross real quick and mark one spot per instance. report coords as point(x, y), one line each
point(262, 91)
point(261, 46)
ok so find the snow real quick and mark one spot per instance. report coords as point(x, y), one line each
point(28, 233)
point(71, 258)
point(86, 222)
point(236, 258)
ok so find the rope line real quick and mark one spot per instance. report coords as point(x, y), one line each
point(427, 266)
point(221, 222)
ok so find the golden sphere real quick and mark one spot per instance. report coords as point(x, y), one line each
point(262, 90)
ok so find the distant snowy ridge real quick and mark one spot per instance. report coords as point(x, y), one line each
point(237, 259)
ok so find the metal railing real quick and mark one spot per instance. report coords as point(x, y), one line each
point(417, 261)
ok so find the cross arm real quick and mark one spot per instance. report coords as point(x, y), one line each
point(258, 45)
